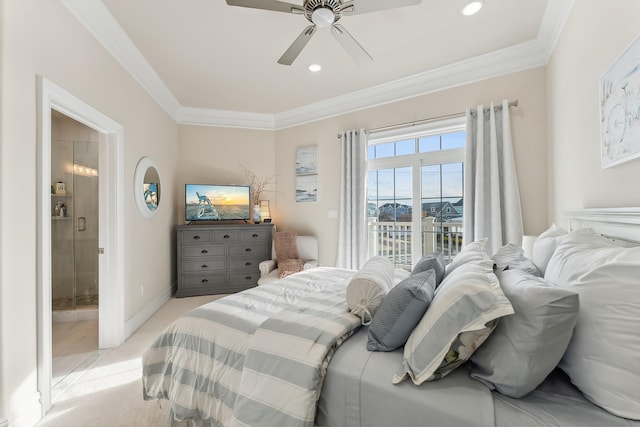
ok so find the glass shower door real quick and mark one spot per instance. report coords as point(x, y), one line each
point(74, 225)
point(85, 182)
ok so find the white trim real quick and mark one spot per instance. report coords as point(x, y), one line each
point(555, 17)
point(97, 19)
point(111, 229)
point(225, 118)
point(145, 314)
point(534, 53)
point(28, 413)
point(619, 223)
point(504, 61)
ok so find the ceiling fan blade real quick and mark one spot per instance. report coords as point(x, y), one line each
point(357, 7)
point(274, 5)
point(296, 47)
point(353, 48)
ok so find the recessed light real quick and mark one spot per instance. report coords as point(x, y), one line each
point(314, 68)
point(471, 8)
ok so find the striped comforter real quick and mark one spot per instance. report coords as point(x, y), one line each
point(254, 358)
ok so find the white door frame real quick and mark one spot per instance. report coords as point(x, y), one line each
point(111, 228)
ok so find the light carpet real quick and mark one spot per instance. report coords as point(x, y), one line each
point(109, 393)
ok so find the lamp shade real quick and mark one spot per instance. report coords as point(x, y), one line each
point(265, 212)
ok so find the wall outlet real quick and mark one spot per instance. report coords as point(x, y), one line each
point(332, 213)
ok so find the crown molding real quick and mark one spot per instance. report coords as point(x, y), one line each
point(225, 118)
point(534, 53)
point(504, 61)
point(553, 22)
point(94, 15)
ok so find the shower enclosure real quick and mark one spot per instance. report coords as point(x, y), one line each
point(74, 224)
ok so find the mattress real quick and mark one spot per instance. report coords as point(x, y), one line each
point(357, 391)
point(556, 402)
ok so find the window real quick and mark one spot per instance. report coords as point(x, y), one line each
point(416, 170)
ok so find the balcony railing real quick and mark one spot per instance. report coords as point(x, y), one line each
point(394, 240)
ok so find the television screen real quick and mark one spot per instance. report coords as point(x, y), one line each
point(207, 202)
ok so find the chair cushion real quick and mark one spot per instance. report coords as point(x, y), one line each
point(285, 243)
point(290, 266)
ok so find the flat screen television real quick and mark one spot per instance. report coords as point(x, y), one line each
point(209, 202)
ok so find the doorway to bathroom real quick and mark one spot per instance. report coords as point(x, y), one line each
point(53, 99)
point(74, 249)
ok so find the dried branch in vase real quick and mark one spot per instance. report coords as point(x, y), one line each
point(258, 184)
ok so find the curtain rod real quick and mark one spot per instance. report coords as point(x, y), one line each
point(417, 122)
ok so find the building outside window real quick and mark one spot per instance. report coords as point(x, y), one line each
point(415, 191)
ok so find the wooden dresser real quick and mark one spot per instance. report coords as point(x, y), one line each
point(220, 259)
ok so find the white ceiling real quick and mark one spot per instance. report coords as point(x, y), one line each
point(209, 63)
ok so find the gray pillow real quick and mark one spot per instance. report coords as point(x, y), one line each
point(433, 262)
point(400, 311)
point(526, 346)
point(511, 257)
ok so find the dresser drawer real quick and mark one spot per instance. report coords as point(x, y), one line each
point(203, 281)
point(205, 264)
point(254, 235)
point(244, 278)
point(204, 251)
point(248, 250)
point(244, 263)
point(220, 236)
point(195, 236)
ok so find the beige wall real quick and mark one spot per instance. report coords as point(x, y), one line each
point(212, 155)
point(42, 38)
point(596, 33)
point(528, 130)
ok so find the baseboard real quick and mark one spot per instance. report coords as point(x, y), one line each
point(143, 315)
point(30, 413)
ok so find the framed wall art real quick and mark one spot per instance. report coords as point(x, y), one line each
point(620, 108)
point(307, 174)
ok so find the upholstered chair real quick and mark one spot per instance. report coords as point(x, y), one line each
point(307, 250)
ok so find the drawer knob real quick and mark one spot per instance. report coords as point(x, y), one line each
point(255, 235)
point(204, 251)
point(196, 237)
point(204, 281)
point(247, 278)
point(204, 266)
point(248, 263)
point(247, 250)
point(226, 236)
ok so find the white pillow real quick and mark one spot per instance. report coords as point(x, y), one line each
point(461, 316)
point(474, 251)
point(603, 357)
point(369, 286)
point(579, 251)
point(545, 245)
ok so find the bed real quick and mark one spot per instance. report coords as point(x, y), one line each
point(293, 353)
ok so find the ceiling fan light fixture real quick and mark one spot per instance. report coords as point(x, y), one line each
point(323, 17)
point(472, 7)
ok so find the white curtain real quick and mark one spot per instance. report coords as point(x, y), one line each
point(352, 236)
point(491, 196)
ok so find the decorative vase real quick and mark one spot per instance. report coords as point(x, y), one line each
point(256, 214)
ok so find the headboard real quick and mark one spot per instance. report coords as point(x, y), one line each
point(620, 224)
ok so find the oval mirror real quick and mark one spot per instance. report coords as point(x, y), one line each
point(146, 187)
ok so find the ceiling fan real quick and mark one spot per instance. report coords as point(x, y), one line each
point(325, 13)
